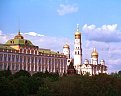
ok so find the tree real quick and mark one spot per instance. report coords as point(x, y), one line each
point(39, 74)
point(44, 91)
point(21, 86)
point(5, 73)
point(6, 88)
point(34, 84)
point(22, 73)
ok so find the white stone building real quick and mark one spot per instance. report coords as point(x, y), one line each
point(88, 67)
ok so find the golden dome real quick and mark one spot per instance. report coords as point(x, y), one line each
point(94, 53)
point(77, 33)
point(66, 46)
point(19, 36)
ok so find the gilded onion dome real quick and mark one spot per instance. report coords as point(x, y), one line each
point(94, 53)
point(77, 33)
point(66, 46)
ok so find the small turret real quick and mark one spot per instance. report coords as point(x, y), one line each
point(66, 50)
point(94, 57)
point(102, 62)
point(86, 61)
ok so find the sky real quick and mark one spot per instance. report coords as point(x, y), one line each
point(52, 23)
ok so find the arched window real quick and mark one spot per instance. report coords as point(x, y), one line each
point(75, 52)
point(78, 52)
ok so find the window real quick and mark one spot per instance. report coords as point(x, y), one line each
point(1, 56)
point(28, 60)
point(75, 52)
point(9, 57)
point(5, 57)
point(20, 58)
point(17, 58)
point(78, 52)
point(13, 57)
point(24, 59)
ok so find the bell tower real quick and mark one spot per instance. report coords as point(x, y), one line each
point(77, 50)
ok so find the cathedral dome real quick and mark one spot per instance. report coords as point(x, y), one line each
point(77, 33)
point(66, 46)
point(94, 53)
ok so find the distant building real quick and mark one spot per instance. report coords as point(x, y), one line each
point(20, 54)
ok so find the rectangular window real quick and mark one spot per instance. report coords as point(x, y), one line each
point(1, 56)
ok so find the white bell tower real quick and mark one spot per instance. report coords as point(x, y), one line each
point(77, 51)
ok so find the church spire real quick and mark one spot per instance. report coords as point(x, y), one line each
point(77, 28)
point(19, 32)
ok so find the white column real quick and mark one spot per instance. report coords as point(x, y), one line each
point(37, 64)
point(54, 64)
point(26, 63)
point(3, 62)
point(34, 64)
point(41, 63)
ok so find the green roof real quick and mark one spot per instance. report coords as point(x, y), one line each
point(48, 51)
point(19, 42)
point(3, 46)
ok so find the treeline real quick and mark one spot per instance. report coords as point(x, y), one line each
point(50, 84)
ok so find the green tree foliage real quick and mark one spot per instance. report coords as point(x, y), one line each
point(5, 73)
point(34, 84)
point(100, 85)
point(44, 91)
point(116, 75)
point(21, 86)
point(50, 84)
point(22, 73)
point(6, 88)
point(39, 75)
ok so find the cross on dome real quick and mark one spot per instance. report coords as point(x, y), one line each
point(77, 27)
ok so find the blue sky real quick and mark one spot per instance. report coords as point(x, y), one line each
point(52, 23)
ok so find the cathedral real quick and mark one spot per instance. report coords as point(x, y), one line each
point(92, 67)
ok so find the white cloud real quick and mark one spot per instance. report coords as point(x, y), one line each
point(106, 33)
point(33, 34)
point(3, 37)
point(66, 9)
point(0, 32)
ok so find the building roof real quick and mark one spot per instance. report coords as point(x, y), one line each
point(66, 46)
point(48, 51)
point(3, 46)
point(19, 40)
